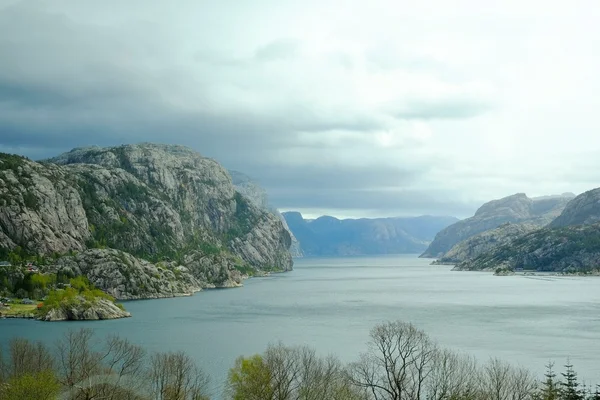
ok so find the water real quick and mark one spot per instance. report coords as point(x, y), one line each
point(331, 303)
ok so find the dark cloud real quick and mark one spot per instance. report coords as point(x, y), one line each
point(306, 128)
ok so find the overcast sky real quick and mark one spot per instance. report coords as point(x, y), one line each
point(340, 107)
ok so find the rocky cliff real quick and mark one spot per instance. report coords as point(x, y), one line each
point(517, 208)
point(163, 204)
point(83, 309)
point(568, 249)
point(258, 196)
point(484, 242)
point(582, 210)
point(330, 236)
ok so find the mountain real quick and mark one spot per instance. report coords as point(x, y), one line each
point(329, 236)
point(154, 215)
point(584, 209)
point(566, 249)
point(484, 242)
point(517, 208)
point(258, 196)
point(570, 243)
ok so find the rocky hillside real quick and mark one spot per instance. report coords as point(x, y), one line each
point(567, 249)
point(584, 209)
point(163, 204)
point(258, 196)
point(517, 209)
point(484, 242)
point(329, 236)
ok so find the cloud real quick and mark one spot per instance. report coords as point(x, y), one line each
point(330, 105)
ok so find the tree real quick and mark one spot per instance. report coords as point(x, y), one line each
point(290, 373)
point(26, 358)
point(175, 376)
point(453, 377)
point(399, 360)
point(250, 379)
point(596, 394)
point(550, 389)
point(570, 386)
point(502, 382)
point(114, 371)
point(37, 386)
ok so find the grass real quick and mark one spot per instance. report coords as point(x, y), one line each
point(19, 309)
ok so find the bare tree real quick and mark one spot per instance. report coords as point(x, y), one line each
point(175, 376)
point(3, 373)
point(453, 376)
point(26, 357)
point(78, 363)
point(500, 381)
point(398, 362)
point(90, 370)
point(290, 373)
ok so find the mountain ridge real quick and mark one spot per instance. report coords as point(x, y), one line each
point(516, 208)
point(331, 236)
point(163, 203)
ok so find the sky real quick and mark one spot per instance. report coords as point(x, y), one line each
point(339, 107)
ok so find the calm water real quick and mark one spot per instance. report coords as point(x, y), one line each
point(331, 304)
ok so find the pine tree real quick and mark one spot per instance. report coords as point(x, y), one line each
point(549, 389)
point(596, 394)
point(570, 387)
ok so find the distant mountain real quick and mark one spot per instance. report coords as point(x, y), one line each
point(329, 236)
point(258, 196)
point(570, 243)
point(517, 208)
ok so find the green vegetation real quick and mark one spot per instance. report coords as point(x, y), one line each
point(81, 367)
point(574, 249)
point(11, 162)
point(79, 288)
point(17, 309)
point(244, 220)
point(401, 362)
point(31, 201)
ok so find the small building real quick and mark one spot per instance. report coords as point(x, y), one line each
point(5, 264)
point(27, 301)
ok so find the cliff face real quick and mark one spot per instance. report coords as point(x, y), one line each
point(484, 242)
point(570, 243)
point(517, 208)
point(153, 202)
point(582, 210)
point(334, 237)
point(258, 196)
point(567, 249)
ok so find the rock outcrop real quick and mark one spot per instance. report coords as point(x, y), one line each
point(570, 243)
point(517, 208)
point(164, 204)
point(484, 242)
point(258, 196)
point(329, 236)
point(582, 210)
point(126, 277)
point(572, 249)
point(82, 309)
